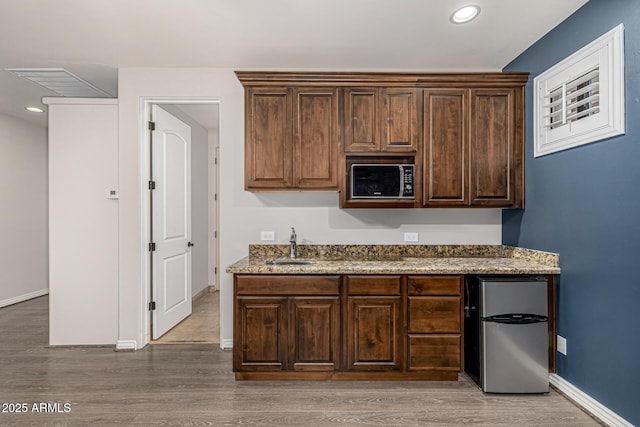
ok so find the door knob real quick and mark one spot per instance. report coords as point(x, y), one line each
point(190, 244)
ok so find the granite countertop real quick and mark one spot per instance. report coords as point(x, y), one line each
point(399, 259)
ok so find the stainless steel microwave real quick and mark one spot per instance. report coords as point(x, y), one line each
point(382, 181)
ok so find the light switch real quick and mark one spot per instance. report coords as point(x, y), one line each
point(113, 194)
point(267, 236)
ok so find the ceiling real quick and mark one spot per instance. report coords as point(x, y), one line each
point(93, 38)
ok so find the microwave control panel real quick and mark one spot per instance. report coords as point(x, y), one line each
point(407, 181)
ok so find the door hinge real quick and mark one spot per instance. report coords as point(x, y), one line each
point(215, 160)
point(152, 247)
point(215, 234)
point(152, 125)
point(152, 185)
point(215, 196)
point(152, 305)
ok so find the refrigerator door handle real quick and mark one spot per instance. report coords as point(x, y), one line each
point(516, 318)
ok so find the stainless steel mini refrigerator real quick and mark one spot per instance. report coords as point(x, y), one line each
point(506, 322)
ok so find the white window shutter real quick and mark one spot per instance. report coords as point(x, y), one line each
point(581, 99)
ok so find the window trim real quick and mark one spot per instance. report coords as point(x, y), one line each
point(607, 55)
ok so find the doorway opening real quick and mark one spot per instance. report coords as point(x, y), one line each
point(183, 207)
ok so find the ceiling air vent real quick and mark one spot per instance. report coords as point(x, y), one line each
point(61, 82)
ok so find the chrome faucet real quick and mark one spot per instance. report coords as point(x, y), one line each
point(294, 244)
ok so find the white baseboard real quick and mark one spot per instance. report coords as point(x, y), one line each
point(587, 402)
point(24, 297)
point(126, 345)
point(226, 344)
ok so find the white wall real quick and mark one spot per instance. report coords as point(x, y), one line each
point(23, 211)
point(83, 222)
point(243, 215)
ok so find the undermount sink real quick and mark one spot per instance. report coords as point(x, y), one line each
point(288, 262)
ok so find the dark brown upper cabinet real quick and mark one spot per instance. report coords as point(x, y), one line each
point(445, 136)
point(315, 138)
point(464, 132)
point(380, 120)
point(291, 138)
point(268, 148)
point(496, 156)
point(473, 147)
point(399, 120)
point(361, 126)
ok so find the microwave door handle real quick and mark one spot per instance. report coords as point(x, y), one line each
point(401, 171)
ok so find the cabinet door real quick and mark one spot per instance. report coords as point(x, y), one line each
point(361, 113)
point(399, 120)
point(314, 327)
point(260, 341)
point(315, 138)
point(268, 147)
point(492, 147)
point(445, 124)
point(373, 333)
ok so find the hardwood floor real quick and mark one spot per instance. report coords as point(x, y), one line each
point(176, 385)
point(203, 326)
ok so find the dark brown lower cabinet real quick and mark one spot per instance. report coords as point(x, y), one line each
point(435, 352)
point(373, 333)
point(352, 327)
point(286, 323)
point(314, 333)
point(280, 333)
point(375, 322)
point(435, 323)
point(261, 324)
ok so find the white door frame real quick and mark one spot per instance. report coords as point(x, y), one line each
point(145, 217)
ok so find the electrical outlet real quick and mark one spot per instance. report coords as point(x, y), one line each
point(561, 345)
point(267, 236)
point(410, 237)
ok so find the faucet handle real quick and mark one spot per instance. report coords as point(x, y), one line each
point(293, 235)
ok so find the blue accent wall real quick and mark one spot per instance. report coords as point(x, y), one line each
point(584, 203)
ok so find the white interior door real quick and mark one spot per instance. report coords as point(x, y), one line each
point(171, 220)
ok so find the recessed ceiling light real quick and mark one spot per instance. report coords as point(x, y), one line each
point(465, 14)
point(34, 109)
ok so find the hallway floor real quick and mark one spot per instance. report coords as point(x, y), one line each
point(203, 326)
point(178, 385)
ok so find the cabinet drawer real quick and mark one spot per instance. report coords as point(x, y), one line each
point(435, 285)
point(439, 352)
point(434, 314)
point(287, 285)
point(374, 285)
